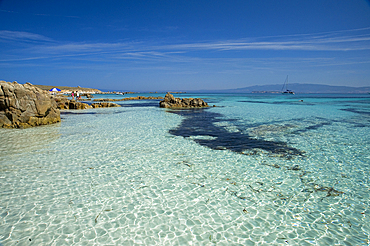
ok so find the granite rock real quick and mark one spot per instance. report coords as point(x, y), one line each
point(64, 103)
point(25, 105)
point(72, 104)
point(104, 105)
point(171, 102)
point(126, 99)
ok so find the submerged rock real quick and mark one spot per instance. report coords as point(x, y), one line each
point(171, 102)
point(23, 106)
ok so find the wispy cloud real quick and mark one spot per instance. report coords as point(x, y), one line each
point(22, 36)
point(37, 14)
point(41, 47)
point(335, 41)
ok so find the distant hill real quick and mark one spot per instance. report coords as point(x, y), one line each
point(67, 88)
point(300, 88)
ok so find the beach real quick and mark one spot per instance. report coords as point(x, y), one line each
point(257, 169)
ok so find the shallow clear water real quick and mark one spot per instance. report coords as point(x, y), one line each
point(255, 170)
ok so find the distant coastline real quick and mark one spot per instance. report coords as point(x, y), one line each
point(68, 89)
point(268, 89)
point(302, 88)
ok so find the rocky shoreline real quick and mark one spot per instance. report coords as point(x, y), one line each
point(23, 106)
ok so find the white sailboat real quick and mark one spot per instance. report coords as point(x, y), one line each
point(286, 87)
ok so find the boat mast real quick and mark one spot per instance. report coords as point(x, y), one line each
point(285, 84)
point(286, 81)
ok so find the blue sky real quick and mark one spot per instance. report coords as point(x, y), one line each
point(184, 45)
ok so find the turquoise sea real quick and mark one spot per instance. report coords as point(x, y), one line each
point(257, 169)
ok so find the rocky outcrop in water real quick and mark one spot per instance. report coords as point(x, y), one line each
point(104, 105)
point(171, 102)
point(87, 95)
point(64, 103)
point(126, 99)
point(23, 106)
point(78, 105)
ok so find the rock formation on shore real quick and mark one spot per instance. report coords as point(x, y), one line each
point(171, 102)
point(23, 106)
